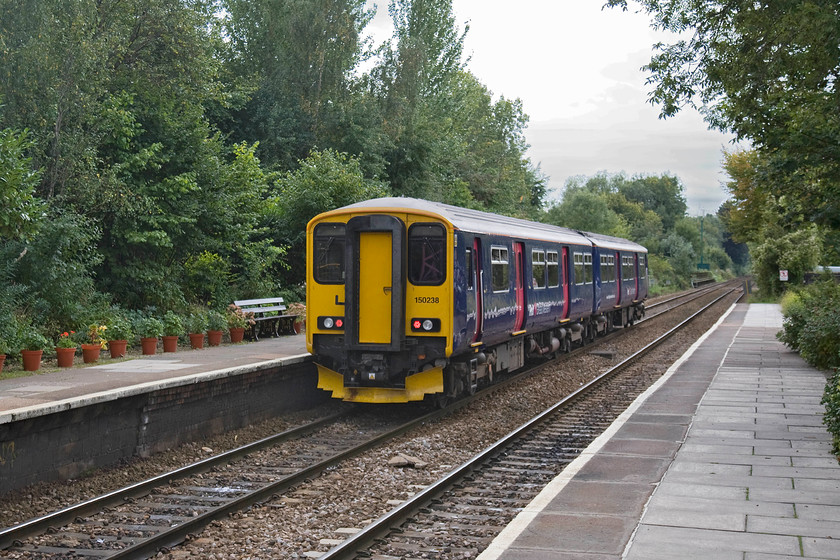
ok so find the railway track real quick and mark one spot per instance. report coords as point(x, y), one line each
point(461, 514)
point(138, 521)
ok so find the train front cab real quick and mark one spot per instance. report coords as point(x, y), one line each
point(379, 300)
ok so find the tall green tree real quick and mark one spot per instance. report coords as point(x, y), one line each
point(766, 71)
point(20, 210)
point(298, 57)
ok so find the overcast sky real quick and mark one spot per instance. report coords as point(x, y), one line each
point(576, 69)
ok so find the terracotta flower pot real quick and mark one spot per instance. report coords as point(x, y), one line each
point(65, 356)
point(149, 345)
point(2, 359)
point(298, 326)
point(214, 338)
point(31, 359)
point(170, 343)
point(90, 353)
point(117, 348)
point(196, 341)
point(237, 334)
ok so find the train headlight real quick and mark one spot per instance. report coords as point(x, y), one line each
point(425, 325)
point(331, 323)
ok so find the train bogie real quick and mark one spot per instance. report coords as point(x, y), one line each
point(408, 298)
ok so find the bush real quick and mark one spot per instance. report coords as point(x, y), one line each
point(172, 324)
point(831, 400)
point(119, 327)
point(148, 326)
point(31, 339)
point(812, 327)
point(216, 321)
point(196, 322)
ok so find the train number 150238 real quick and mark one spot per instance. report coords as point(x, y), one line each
point(426, 300)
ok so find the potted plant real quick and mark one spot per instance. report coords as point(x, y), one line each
point(297, 309)
point(65, 349)
point(33, 344)
point(149, 328)
point(216, 324)
point(237, 320)
point(96, 343)
point(196, 323)
point(119, 333)
point(173, 327)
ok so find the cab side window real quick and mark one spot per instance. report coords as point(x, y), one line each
point(329, 253)
point(426, 254)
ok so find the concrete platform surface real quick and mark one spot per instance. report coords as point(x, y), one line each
point(41, 394)
point(725, 458)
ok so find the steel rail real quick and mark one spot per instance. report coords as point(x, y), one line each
point(360, 541)
point(64, 516)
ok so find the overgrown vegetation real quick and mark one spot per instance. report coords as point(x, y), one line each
point(812, 328)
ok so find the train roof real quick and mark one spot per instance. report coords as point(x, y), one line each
point(615, 243)
point(484, 222)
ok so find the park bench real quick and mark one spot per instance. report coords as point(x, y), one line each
point(268, 315)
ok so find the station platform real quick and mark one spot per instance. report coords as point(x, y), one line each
point(46, 393)
point(725, 458)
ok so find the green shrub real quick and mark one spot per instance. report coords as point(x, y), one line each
point(216, 321)
point(173, 325)
point(31, 339)
point(119, 327)
point(831, 400)
point(812, 327)
point(196, 322)
point(148, 326)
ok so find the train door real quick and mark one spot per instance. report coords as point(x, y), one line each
point(477, 280)
point(636, 275)
point(519, 284)
point(564, 274)
point(618, 283)
point(374, 291)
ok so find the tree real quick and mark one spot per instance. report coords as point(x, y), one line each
point(768, 72)
point(585, 210)
point(297, 56)
point(19, 209)
point(797, 252)
point(662, 195)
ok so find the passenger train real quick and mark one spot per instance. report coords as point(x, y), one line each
point(409, 300)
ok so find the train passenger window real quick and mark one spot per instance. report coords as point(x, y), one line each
point(553, 266)
point(329, 253)
point(426, 254)
point(538, 268)
point(579, 275)
point(643, 271)
point(627, 268)
point(607, 272)
point(587, 268)
point(500, 269)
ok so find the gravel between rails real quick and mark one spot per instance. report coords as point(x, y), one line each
point(366, 487)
